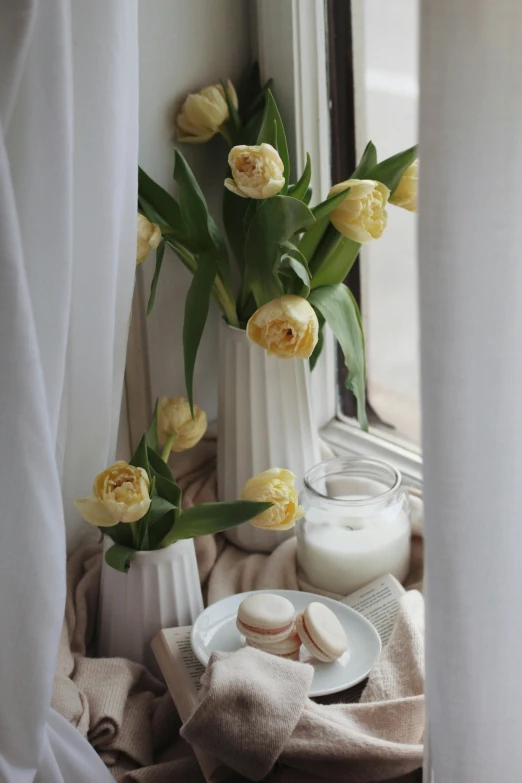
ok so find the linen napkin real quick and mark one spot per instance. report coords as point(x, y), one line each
point(255, 710)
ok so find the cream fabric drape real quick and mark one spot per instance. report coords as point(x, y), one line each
point(471, 324)
point(68, 155)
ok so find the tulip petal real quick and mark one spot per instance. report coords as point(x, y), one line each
point(94, 512)
point(231, 185)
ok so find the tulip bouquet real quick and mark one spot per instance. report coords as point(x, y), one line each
point(292, 259)
point(138, 504)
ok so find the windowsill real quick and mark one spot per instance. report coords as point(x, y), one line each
point(349, 439)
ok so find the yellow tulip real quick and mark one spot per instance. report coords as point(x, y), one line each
point(204, 112)
point(119, 494)
point(405, 194)
point(149, 237)
point(176, 422)
point(274, 486)
point(362, 215)
point(286, 327)
point(257, 172)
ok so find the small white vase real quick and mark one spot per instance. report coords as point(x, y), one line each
point(160, 590)
point(265, 421)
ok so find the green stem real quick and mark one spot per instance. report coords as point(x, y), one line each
point(225, 301)
point(184, 255)
point(220, 293)
point(329, 242)
point(226, 135)
point(135, 533)
point(168, 448)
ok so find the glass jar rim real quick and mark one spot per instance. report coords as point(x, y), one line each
point(344, 462)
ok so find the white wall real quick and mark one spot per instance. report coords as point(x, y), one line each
point(184, 45)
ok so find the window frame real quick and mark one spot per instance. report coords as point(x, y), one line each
point(295, 42)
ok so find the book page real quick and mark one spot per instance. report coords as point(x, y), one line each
point(179, 640)
point(183, 672)
point(379, 603)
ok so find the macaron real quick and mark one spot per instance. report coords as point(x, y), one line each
point(265, 618)
point(288, 648)
point(321, 632)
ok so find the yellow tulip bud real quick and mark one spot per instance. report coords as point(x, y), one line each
point(362, 215)
point(257, 172)
point(285, 327)
point(274, 486)
point(175, 420)
point(204, 112)
point(120, 494)
point(405, 194)
point(149, 237)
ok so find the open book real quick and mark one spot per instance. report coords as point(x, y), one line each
point(378, 602)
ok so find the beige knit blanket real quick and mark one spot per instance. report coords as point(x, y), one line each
point(130, 720)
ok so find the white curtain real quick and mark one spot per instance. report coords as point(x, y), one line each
point(471, 319)
point(68, 155)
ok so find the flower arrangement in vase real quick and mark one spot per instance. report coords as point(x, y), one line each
point(291, 261)
point(150, 577)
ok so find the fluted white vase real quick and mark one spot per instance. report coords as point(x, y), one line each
point(265, 420)
point(160, 590)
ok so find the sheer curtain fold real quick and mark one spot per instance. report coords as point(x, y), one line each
point(68, 155)
point(470, 249)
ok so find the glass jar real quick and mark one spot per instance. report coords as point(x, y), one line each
point(356, 527)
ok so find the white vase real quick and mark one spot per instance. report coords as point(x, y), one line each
point(160, 590)
point(265, 420)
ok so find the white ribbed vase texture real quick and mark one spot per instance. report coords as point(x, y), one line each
point(160, 590)
point(265, 421)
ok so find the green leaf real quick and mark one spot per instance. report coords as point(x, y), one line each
point(143, 523)
point(271, 116)
point(166, 486)
point(300, 189)
point(367, 162)
point(153, 286)
point(338, 307)
point(197, 305)
point(158, 508)
point(235, 119)
point(221, 254)
point(329, 204)
point(251, 130)
point(152, 434)
point(158, 466)
point(334, 258)
point(140, 458)
point(168, 489)
point(320, 342)
point(120, 533)
point(299, 269)
point(276, 221)
point(293, 251)
point(390, 171)
point(307, 196)
point(160, 529)
point(208, 518)
point(311, 239)
point(252, 207)
point(234, 211)
point(201, 227)
point(166, 209)
point(299, 277)
point(250, 92)
point(118, 557)
point(192, 203)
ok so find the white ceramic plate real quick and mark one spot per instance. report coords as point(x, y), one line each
point(215, 629)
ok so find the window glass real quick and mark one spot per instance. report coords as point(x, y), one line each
point(388, 265)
